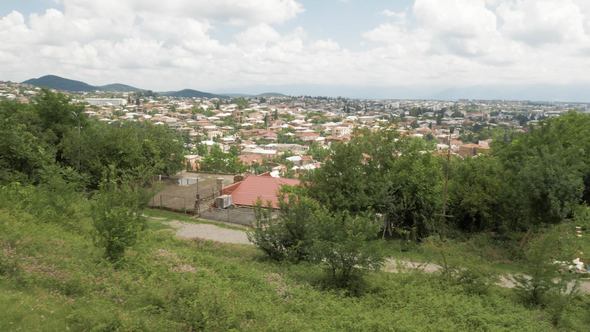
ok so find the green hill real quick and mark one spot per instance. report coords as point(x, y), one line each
point(53, 278)
point(190, 93)
point(65, 84)
point(60, 83)
point(118, 87)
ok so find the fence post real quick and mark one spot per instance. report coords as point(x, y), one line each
point(160, 201)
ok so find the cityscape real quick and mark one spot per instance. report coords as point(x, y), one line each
point(294, 165)
point(274, 132)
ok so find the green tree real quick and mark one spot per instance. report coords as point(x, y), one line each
point(344, 245)
point(318, 152)
point(22, 154)
point(478, 194)
point(289, 235)
point(218, 161)
point(117, 215)
point(414, 194)
point(241, 102)
point(143, 150)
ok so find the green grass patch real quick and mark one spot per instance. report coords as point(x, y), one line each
point(53, 279)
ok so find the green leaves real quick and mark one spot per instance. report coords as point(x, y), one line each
point(117, 215)
point(222, 162)
point(304, 231)
point(343, 244)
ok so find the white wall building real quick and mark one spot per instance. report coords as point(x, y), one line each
point(106, 101)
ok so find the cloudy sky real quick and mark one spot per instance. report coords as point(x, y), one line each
point(345, 47)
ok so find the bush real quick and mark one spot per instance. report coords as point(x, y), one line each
point(289, 235)
point(343, 244)
point(117, 217)
point(544, 279)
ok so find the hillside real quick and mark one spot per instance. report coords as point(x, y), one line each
point(118, 87)
point(65, 84)
point(60, 83)
point(190, 93)
point(271, 94)
point(53, 278)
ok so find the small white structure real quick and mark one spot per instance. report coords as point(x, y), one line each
point(106, 101)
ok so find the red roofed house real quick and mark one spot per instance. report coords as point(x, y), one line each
point(249, 190)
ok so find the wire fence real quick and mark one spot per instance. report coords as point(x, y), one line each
point(197, 199)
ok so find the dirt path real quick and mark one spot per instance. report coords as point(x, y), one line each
point(506, 281)
point(189, 231)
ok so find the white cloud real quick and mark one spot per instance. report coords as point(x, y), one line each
point(491, 41)
point(234, 11)
point(165, 45)
point(394, 15)
point(538, 22)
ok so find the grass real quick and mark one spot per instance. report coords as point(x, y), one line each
point(476, 252)
point(53, 278)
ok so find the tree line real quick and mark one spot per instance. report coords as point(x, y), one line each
point(382, 185)
point(60, 165)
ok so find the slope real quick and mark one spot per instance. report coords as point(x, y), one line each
point(53, 278)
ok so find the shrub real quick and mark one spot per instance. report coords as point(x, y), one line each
point(544, 279)
point(117, 217)
point(343, 244)
point(289, 235)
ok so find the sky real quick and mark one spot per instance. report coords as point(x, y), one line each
point(357, 48)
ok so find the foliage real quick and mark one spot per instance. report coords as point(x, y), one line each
point(413, 196)
point(545, 279)
point(343, 244)
point(222, 162)
point(380, 172)
point(141, 150)
point(289, 235)
point(22, 154)
point(241, 102)
point(318, 152)
point(549, 165)
point(117, 215)
point(477, 194)
point(53, 131)
point(56, 200)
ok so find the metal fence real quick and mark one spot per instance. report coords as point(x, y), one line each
point(235, 215)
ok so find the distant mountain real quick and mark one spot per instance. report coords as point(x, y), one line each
point(266, 94)
point(189, 93)
point(271, 94)
point(118, 87)
point(60, 83)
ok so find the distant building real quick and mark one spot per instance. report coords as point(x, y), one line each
point(106, 101)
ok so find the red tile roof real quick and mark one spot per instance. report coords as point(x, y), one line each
point(246, 192)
